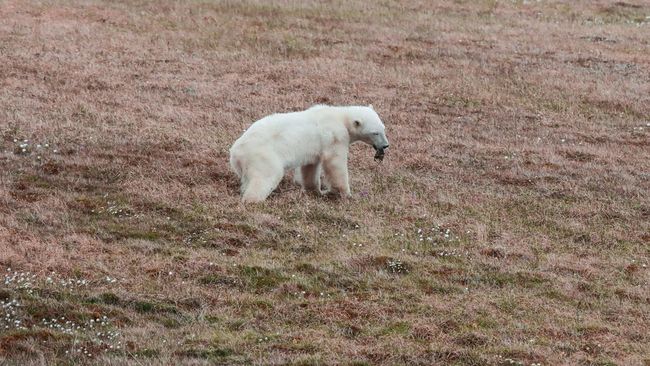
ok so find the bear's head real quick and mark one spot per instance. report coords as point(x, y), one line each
point(367, 127)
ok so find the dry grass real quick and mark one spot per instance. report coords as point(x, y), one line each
point(508, 224)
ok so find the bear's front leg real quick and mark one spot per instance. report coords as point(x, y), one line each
point(336, 173)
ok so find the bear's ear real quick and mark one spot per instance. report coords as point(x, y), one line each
point(357, 123)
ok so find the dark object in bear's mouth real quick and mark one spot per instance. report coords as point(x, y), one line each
point(379, 155)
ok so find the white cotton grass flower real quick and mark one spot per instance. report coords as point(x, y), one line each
point(98, 330)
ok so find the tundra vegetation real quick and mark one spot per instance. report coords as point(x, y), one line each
point(509, 223)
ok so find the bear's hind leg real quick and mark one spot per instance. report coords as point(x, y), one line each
point(297, 176)
point(310, 175)
point(244, 183)
point(260, 187)
point(326, 186)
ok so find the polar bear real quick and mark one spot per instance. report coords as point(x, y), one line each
point(312, 142)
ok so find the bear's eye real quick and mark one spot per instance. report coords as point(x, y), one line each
point(376, 133)
point(357, 123)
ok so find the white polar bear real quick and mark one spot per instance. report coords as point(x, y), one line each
point(310, 141)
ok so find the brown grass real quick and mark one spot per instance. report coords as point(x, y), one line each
point(508, 224)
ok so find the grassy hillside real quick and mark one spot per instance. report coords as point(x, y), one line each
point(509, 223)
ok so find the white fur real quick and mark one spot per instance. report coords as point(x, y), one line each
point(312, 141)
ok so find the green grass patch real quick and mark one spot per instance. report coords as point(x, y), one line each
point(107, 298)
point(260, 279)
point(211, 353)
point(146, 353)
point(149, 307)
point(397, 328)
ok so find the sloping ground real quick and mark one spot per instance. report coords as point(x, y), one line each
point(508, 224)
